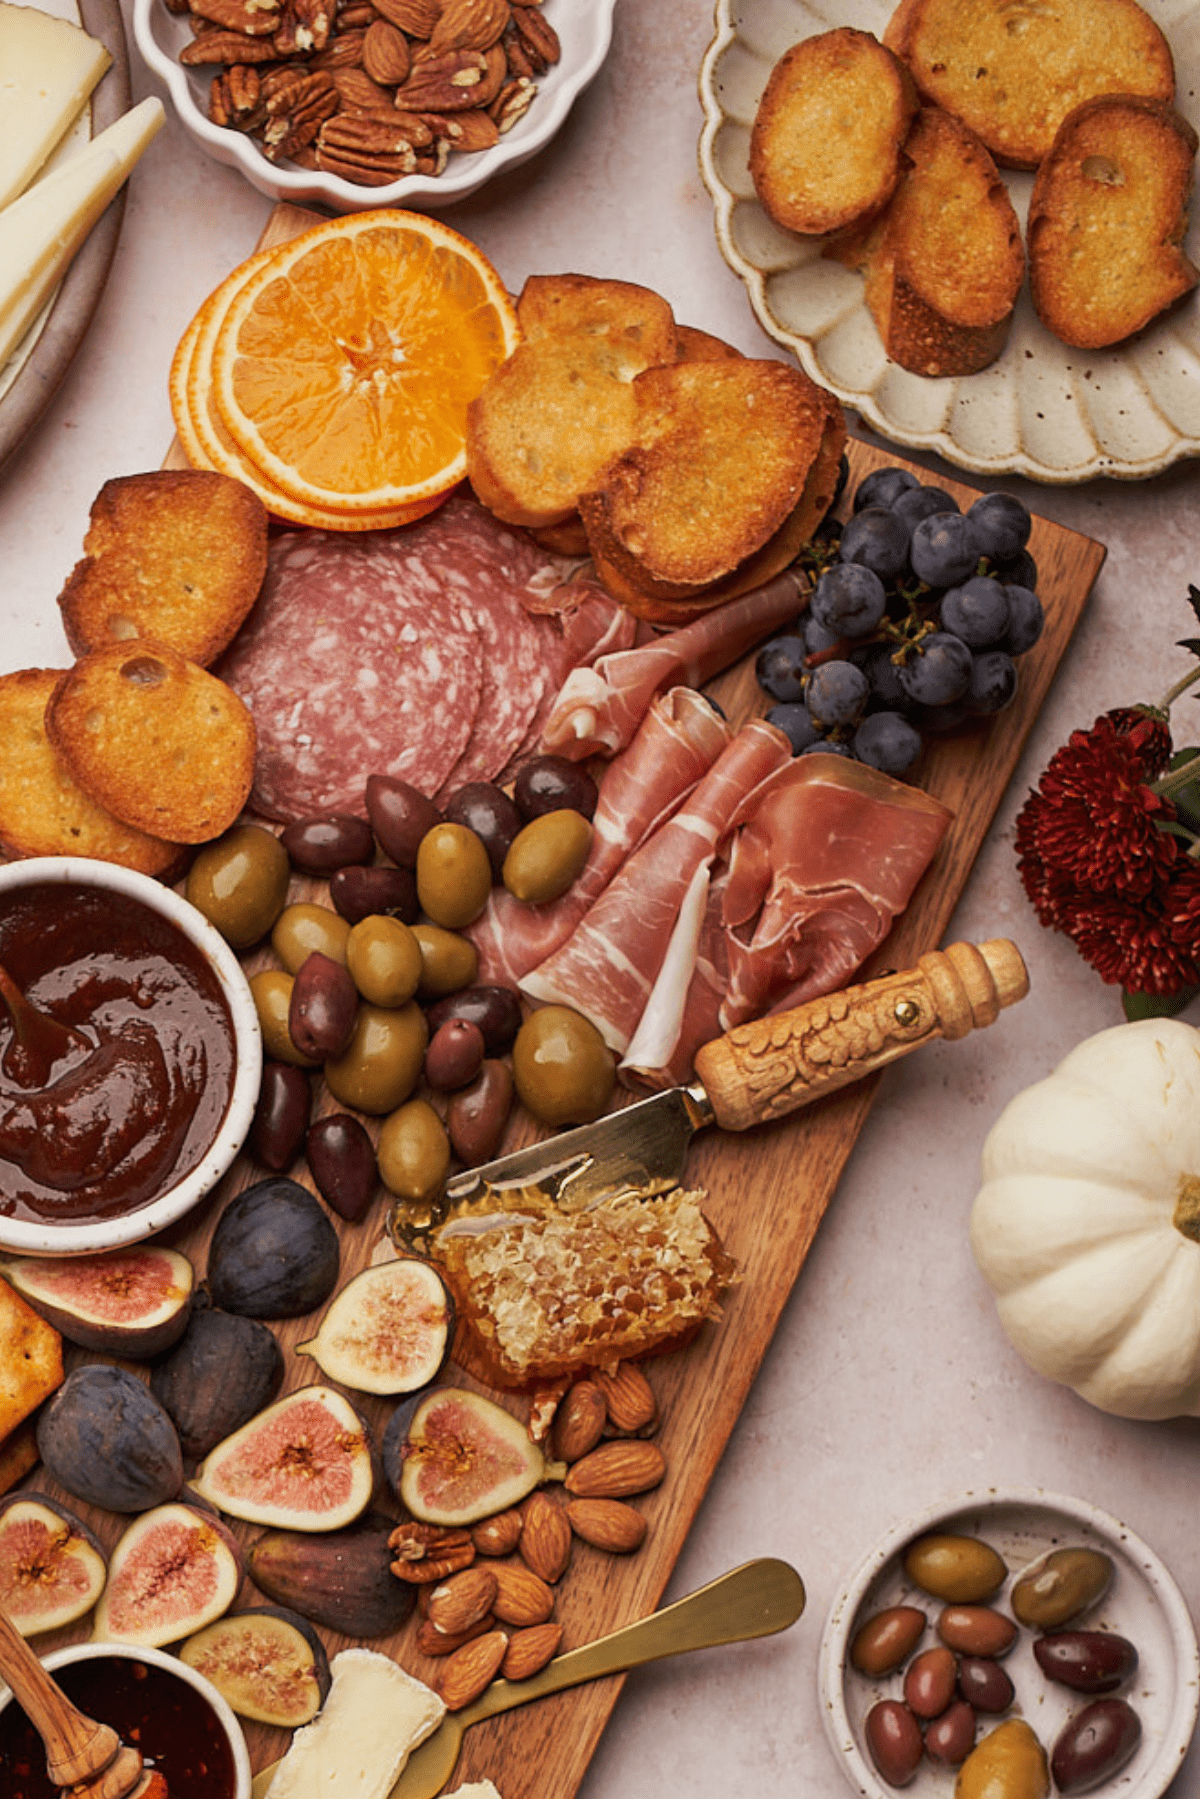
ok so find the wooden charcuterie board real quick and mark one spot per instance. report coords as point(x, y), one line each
point(767, 1193)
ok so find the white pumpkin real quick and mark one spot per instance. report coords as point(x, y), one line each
point(1087, 1227)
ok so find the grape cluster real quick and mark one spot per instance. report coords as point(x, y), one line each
point(916, 621)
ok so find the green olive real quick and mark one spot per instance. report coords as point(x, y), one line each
point(545, 857)
point(382, 1063)
point(1062, 1585)
point(563, 1069)
point(1009, 1763)
point(240, 883)
point(272, 992)
point(448, 961)
point(414, 1151)
point(960, 1569)
point(454, 875)
point(299, 930)
point(384, 959)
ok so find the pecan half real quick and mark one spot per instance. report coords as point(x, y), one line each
point(306, 25)
point(445, 82)
point(512, 102)
point(538, 36)
point(256, 18)
point(296, 112)
point(343, 51)
point(427, 1552)
point(226, 47)
point(234, 99)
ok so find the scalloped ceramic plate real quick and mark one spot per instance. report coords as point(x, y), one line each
point(1043, 410)
point(1143, 1604)
point(584, 28)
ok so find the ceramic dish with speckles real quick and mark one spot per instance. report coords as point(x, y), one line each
point(1043, 409)
point(1143, 1604)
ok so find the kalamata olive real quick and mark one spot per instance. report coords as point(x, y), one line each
point(488, 811)
point(929, 1681)
point(322, 1007)
point(319, 845)
point(454, 1056)
point(341, 1160)
point(414, 1151)
point(953, 1567)
point(303, 929)
point(984, 1684)
point(1090, 1661)
point(1094, 1745)
point(380, 1066)
point(448, 962)
point(454, 876)
point(477, 1115)
point(1060, 1586)
point(240, 883)
point(271, 990)
point(281, 1115)
point(563, 1070)
point(547, 856)
point(893, 1739)
point(1009, 1763)
point(951, 1738)
point(384, 959)
point(547, 783)
point(357, 893)
point(400, 816)
point(496, 1010)
point(976, 1630)
point(887, 1639)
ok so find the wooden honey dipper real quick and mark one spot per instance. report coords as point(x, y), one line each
point(87, 1759)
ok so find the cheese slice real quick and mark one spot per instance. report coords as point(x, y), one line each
point(48, 68)
point(478, 1789)
point(373, 1718)
point(41, 232)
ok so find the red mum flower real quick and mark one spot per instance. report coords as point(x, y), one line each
point(1181, 907)
point(1132, 946)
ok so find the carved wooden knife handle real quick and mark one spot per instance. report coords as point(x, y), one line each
point(776, 1064)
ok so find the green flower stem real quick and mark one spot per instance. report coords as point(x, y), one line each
point(1178, 777)
point(1180, 687)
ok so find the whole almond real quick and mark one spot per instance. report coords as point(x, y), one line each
point(545, 1538)
point(456, 1604)
point(616, 1470)
point(607, 1524)
point(579, 1422)
point(466, 1673)
point(629, 1397)
point(522, 1598)
point(434, 1642)
point(385, 53)
point(499, 1535)
point(530, 1650)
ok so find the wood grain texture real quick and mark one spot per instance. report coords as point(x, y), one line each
point(767, 1193)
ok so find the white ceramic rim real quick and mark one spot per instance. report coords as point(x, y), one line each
point(28, 1237)
point(585, 31)
point(835, 1639)
point(86, 1652)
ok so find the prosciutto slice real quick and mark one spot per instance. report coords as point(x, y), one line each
point(600, 706)
point(677, 742)
point(608, 966)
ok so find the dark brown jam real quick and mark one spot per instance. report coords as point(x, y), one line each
point(98, 1124)
point(175, 1728)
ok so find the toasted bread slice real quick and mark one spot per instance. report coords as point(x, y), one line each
point(1013, 69)
point(43, 812)
point(945, 266)
point(177, 554)
point(31, 1364)
point(722, 457)
point(155, 739)
point(695, 345)
point(561, 405)
point(825, 144)
point(1107, 219)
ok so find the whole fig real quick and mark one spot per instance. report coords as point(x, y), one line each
point(106, 1439)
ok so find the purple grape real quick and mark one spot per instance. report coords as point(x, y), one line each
point(977, 612)
point(940, 671)
point(817, 639)
point(1025, 621)
point(944, 549)
point(922, 502)
point(878, 540)
point(780, 668)
point(883, 487)
point(796, 725)
point(849, 599)
point(875, 660)
point(836, 694)
point(1001, 523)
point(887, 741)
point(1018, 571)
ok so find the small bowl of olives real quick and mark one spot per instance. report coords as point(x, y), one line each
point(1010, 1642)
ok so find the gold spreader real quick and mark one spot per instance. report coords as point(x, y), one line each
point(755, 1600)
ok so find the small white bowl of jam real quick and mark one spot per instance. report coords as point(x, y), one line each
point(183, 1727)
point(130, 1056)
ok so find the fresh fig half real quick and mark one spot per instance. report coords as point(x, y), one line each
point(462, 1458)
point(52, 1568)
point(274, 1253)
point(304, 1463)
point(105, 1438)
point(388, 1330)
point(341, 1580)
point(223, 1370)
point(128, 1302)
point(268, 1662)
point(174, 1570)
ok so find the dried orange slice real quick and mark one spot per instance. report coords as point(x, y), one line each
point(344, 365)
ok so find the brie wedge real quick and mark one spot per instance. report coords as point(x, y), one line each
point(48, 67)
point(373, 1718)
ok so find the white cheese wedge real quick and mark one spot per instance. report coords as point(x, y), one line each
point(48, 68)
point(373, 1718)
point(478, 1789)
point(41, 232)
